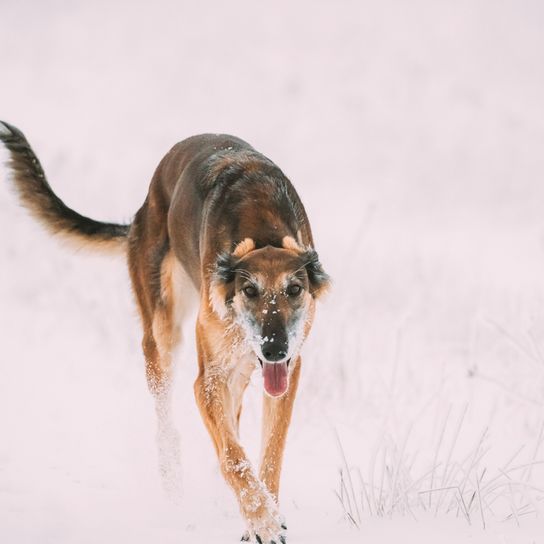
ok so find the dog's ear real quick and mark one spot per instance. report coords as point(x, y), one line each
point(224, 267)
point(320, 281)
point(222, 283)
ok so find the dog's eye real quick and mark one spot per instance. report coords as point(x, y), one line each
point(250, 291)
point(294, 290)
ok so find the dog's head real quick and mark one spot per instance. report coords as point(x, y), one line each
point(270, 292)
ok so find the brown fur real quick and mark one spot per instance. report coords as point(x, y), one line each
point(217, 216)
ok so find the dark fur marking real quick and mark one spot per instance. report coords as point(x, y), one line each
point(37, 195)
point(318, 278)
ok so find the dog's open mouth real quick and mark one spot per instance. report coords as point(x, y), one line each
point(276, 378)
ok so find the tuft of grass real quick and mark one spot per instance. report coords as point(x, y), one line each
point(449, 484)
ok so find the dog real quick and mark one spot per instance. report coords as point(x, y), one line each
point(222, 219)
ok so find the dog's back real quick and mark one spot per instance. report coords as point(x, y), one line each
point(215, 190)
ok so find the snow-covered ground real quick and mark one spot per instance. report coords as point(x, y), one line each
point(414, 133)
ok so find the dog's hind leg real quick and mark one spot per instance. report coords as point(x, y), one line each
point(166, 335)
point(157, 278)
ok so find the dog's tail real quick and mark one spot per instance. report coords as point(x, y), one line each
point(38, 197)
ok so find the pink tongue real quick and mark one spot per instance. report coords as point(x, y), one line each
point(275, 378)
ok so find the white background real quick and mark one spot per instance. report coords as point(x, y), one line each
point(414, 133)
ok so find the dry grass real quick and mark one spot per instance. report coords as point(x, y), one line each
point(465, 486)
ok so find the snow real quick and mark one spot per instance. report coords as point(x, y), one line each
point(414, 135)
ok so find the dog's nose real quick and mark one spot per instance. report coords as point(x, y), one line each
point(274, 351)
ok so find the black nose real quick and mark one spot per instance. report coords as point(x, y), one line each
point(274, 351)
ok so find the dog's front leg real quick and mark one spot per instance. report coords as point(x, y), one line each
point(218, 410)
point(276, 418)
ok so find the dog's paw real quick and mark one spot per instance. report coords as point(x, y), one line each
point(282, 539)
point(266, 528)
point(246, 537)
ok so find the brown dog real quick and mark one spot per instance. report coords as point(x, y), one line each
point(224, 218)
